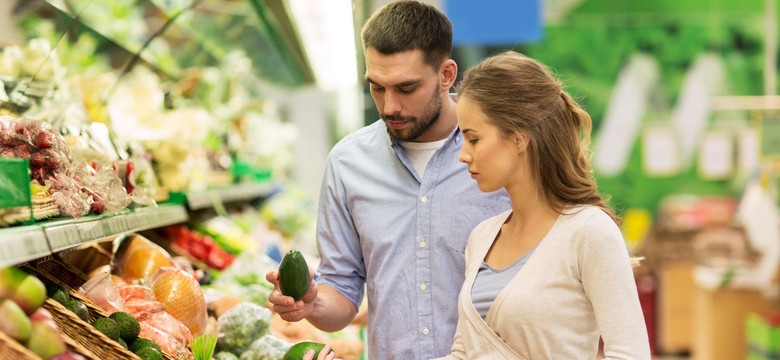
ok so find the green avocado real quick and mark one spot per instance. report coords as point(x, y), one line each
point(294, 277)
point(149, 353)
point(140, 343)
point(129, 328)
point(78, 308)
point(61, 296)
point(108, 327)
point(297, 351)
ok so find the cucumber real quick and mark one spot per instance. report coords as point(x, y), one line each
point(297, 351)
point(294, 277)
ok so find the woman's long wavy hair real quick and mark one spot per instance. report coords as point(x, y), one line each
point(518, 93)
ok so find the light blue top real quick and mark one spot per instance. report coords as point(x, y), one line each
point(491, 281)
point(402, 236)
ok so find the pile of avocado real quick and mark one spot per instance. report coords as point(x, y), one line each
point(119, 326)
point(60, 294)
point(124, 329)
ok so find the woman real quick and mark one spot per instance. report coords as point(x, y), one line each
point(547, 278)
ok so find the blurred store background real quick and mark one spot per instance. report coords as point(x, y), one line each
point(209, 121)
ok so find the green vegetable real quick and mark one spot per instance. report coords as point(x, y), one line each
point(149, 353)
point(297, 351)
point(203, 346)
point(108, 327)
point(55, 288)
point(60, 295)
point(224, 355)
point(122, 342)
point(129, 328)
point(78, 308)
point(294, 277)
point(268, 347)
point(241, 325)
point(141, 343)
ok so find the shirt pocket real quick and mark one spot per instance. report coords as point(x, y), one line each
point(469, 212)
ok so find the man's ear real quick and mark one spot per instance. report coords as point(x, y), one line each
point(449, 72)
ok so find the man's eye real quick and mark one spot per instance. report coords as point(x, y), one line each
point(407, 90)
point(377, 88)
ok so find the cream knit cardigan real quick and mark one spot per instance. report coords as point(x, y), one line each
point(577, 285)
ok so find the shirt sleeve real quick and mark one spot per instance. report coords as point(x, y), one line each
point(608, 280)
point(341, 260)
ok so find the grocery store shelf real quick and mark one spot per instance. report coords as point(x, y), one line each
point(21, 244)
point(68, 233)
point(25, 243)
point(197, 200)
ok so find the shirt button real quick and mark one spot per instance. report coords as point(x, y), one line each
point(422, 244)
point(424, 199)
point(426, 331)
point(424, 286)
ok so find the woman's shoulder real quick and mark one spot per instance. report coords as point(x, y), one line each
point(494, 220)
point(589, 214)
point(590, 219)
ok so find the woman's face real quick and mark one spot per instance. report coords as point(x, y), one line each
point(493, 158)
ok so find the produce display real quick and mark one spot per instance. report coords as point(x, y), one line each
point(98, 149)
point(77, 189)
point(23, 318)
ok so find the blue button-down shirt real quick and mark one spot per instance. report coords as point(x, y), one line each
point(402, 236)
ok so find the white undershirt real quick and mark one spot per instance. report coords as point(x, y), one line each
point(421, 152)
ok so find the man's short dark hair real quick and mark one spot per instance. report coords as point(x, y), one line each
point(408, 25)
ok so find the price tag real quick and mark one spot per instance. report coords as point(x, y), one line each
point(748, 151)
point(61, 237)
point(770, 135)
point(89, 231)
point(21, 246)
point(716, 156)
point(660, 151)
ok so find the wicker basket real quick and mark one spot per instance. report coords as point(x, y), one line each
point(53, 271)
point(85, 334)
point(12, 350)
point(87, 259)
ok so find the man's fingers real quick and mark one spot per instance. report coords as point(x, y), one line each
point(292, 315)
point(272, 277)
point(277, 298)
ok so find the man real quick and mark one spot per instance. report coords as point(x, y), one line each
point(396, 206)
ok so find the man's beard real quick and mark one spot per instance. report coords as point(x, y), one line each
point(417, 125)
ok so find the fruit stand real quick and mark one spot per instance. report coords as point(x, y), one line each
point(142, 195)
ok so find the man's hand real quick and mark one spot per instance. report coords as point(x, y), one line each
point(288, 308)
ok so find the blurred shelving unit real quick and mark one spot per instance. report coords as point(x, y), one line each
point(25, 243)
point(198, 200)
point(20, 244)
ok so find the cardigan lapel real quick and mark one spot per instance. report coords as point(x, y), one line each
point(478, 254)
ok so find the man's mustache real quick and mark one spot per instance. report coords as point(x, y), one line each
point(397, 118)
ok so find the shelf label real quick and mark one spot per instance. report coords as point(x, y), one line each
point(770, 135)
point(21, 246)
point(61, 237)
